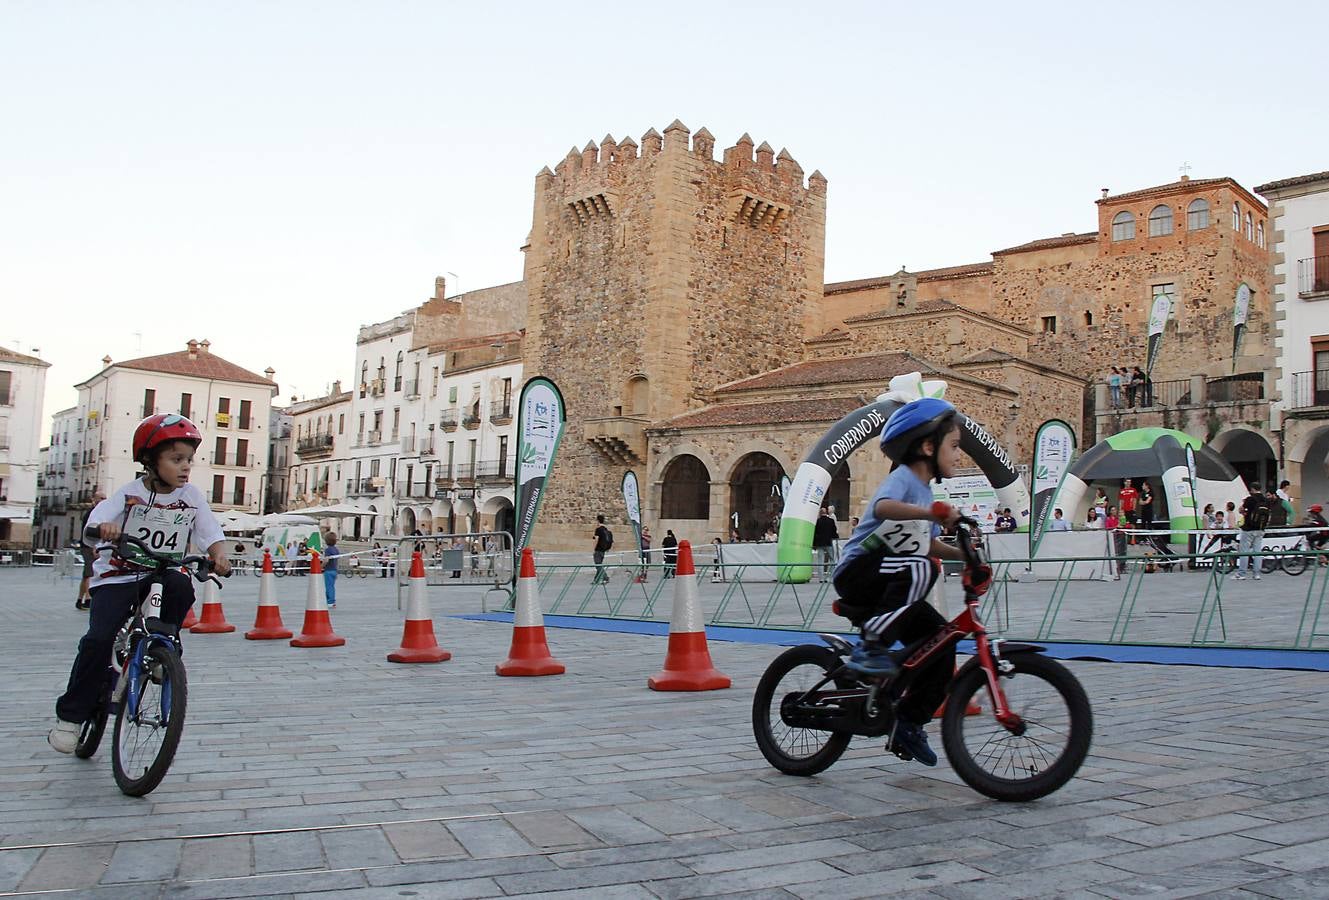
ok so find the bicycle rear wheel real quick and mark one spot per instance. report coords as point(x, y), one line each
point(90, 737)
point(1058, 726)
point(1295, 563)
point(794, 750)
point(146, 738)
point(1268, 564)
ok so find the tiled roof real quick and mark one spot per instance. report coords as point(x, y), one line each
point(10, 356)
point(1064, 240)
point(985, 356)
point(1292, 182)
point(202, 365)
point(304, 406)
point(877, 368)
point(1179, 187)
point(767, 413)
point(465, 343)
point(862, 284)
point(835, 334)
point(886, 312)
point(993, 355)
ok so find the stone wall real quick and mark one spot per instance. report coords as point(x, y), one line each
point(943, 337)
point(668, 266)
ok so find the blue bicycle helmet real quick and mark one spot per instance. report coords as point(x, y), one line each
point(912, 423)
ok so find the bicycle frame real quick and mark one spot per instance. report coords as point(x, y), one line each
point(142, 638)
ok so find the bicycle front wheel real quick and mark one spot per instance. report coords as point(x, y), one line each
point(1058, 726)
point(90, 737)
point(1295, 563)
point(1269, 564)
point(146, 738)
point(794, 750)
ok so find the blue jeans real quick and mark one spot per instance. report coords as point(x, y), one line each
point(330, 585)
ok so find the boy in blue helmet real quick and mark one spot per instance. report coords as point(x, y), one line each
point(891, 561)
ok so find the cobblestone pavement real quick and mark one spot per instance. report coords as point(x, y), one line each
point(332, 772)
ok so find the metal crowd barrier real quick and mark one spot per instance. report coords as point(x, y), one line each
point(455, 560)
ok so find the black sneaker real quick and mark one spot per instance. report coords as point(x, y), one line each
point(911, 742)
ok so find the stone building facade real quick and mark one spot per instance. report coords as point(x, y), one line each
point(654, 274)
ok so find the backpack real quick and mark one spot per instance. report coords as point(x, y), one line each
point(609, 539)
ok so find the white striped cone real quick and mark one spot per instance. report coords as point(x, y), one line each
point(268, 625)
point(417, 641)
point(317, 629)
point(529, 654)
point(213, 620)
point(687, 665)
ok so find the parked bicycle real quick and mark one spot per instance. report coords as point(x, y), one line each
point(352, 567)
point(809, 704)
point(146, 687)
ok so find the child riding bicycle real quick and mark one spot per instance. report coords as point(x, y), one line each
point(168, 513)
point(892, 559)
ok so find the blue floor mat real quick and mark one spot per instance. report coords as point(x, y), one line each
point(1232, 657)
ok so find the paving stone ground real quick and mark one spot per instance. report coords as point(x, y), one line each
point(333, 772)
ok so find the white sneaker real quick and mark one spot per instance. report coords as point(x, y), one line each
point(64, 736)
point(1237, 576)
point(1257, 577)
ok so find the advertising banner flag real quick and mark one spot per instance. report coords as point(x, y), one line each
point(1240, 312)
point(1158, 316)
point(1054, 449)
point(632, 499)
point(541, 418)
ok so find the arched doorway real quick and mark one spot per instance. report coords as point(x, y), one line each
point(754, 495)
point(1249, 453)
point(685, 489)
point(405, 520)
point(1314, 476)
point(837, 495)
point(499, 515)
point(424, 521)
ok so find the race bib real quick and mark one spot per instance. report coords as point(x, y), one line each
point(911, 537)
point(166, 531)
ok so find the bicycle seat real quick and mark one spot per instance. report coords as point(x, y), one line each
point(855, 613)
point(160, 626)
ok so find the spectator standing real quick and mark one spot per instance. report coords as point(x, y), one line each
point(1317, 539)
point(824, 536)
point(1005, 521)
point(1254, 518)
point(1058, 523)
point(717, 574)
point(604, 539)
point(1127, 498)
point(1100, 502)
point(1146, 505)
point(1136, 387)
point(1112, 525)
point(330, 553)
point(1094, 521)
point(645, 551)
point(670, 547)
point(84, 599)
point(1278, 512)
point(1114, 387)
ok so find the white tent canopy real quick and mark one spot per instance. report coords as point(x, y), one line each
point(336, 511)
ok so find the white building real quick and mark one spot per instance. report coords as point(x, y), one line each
point(1299, 210)
point(22, 392)
point(321, 444)
point(276, 485)
point(228, 403)
point(58, 524)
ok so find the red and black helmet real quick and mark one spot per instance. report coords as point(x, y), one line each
point(158, 429)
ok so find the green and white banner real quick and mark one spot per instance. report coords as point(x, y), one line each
point(632, 499)
point(1054, 450)
point(1240, 312)
point(541, 418)
point(1158, 316)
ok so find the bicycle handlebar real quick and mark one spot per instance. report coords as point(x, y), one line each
point(201, 564)
point(965, 527)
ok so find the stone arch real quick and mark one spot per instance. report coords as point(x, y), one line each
point(441, 511)
point(637, 396)
point(757, 445)
point(500, 515)
point(656, 473)
point(424, 520)
point(463, 516)
point(405, 520)
point(1311, 457)
point(754, 496)
point(685, 489)
point(1248, 451)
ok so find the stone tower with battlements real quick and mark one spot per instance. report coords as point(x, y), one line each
point(655, 272)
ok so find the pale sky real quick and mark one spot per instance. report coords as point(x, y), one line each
point(271, 176)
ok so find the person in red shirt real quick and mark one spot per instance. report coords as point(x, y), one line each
point(1127, 498)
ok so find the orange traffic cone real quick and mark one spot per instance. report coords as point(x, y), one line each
point(529, 654)
point(191, 619)
point(687, 665)
point(268, 625)
point(213, 620)
point(417, 641)
point(317, 629)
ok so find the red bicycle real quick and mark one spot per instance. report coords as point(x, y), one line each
point(1030, 740)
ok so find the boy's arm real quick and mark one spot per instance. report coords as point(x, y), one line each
point(945, 551)
point(221, 564)
point(898, 510)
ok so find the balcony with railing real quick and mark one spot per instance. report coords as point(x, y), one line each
point(500, 412)
point(1245, 387)
point(412, 388)
point(374, 438)
point(464, 473)
point(1313, 278)
point(364, 487)
point(376, 387)
point(427, 447)
point(471, 420)
point(448, 420)
point(496, 469)
point(235, 461)
point(231, 499)
point(1309, 389)
point(620, 438)
point(315, 447)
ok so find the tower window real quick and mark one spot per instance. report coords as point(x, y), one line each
point(1197, 215)
point(1088, 318)
point(1049, 324)
point(1160, 221)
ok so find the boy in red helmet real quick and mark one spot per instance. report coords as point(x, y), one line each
point(164, 510)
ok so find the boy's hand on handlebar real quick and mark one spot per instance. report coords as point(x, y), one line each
point(945, 514)
point(977, 579)
point(220, 563)
point(108, 531)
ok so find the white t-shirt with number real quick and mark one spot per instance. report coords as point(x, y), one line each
point(169, 523)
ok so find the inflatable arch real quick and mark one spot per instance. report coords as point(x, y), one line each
point(804, 498)
point(1154, 453)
